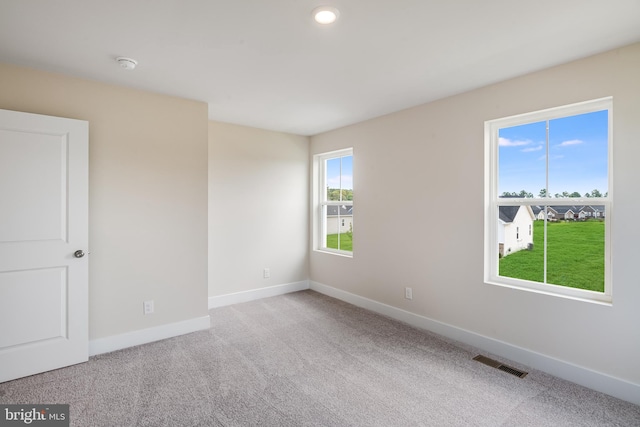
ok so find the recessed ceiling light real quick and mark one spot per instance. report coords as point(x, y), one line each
point(325, 15)
point(127, 63)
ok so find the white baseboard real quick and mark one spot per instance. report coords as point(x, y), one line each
point(254, 294)
point(586, 377)
point(144, 336)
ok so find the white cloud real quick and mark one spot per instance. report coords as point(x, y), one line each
point(506, 142)
point(570, 142)
point(530, 149)
point(556, 157)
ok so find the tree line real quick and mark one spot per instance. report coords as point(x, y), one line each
point(334, 194)
point(543, 193)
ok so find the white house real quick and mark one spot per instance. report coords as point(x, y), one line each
point(587, 212)
point(539, 213)
point(515, 229)
point(566, 212)
point(569, 212)
point(339, 222)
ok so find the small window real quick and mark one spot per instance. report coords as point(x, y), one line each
point(333, 207)
point(547, 171)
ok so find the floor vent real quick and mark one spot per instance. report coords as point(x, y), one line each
point(495, 364)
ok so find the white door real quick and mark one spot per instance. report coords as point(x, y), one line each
point(43, 222)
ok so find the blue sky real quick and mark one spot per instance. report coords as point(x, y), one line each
point(577, 155)
point(333, 173)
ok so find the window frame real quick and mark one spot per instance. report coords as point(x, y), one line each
point(320, 201)
point(493, 201)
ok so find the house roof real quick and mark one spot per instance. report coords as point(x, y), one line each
point(332, 210)
point(575, 209)
point(508, 213)
point(597, 208)
point(564, 209)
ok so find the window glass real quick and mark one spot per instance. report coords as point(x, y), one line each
point(334, 171)
point(549, 172)
point(522, 151)
point(578, 155)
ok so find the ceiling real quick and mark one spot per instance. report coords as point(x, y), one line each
point(266, 64)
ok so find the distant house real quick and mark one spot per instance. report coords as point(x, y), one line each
point(515, 228)
point(556, 213)
point(339, 219)
point(586, 212)
point(598, 211)
point(566, 212)
point(593, 211)
point(538, 212)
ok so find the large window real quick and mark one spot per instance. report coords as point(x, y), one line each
point(549, 172)
point(333, 218)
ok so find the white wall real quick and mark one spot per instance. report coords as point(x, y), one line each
point(431, 158)
point(147, 196)
point(334, 225)
point(258, 208)
point(515, 240)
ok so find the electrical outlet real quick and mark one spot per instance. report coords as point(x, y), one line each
point(266, 273)
point(147, 307)
point(408, 293)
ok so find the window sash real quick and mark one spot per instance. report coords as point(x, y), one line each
point(493, 201)
point(320, 165)
point(324, 232)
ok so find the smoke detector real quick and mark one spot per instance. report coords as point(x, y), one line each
point(127, 63)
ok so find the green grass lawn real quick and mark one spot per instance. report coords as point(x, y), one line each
point(575, 256)
point(346, 243)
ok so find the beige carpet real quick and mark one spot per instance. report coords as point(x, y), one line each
point(304, 359)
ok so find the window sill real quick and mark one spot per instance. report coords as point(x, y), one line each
point(558, 291)
point(343, 254)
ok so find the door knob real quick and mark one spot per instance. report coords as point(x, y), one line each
point(78, 253)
